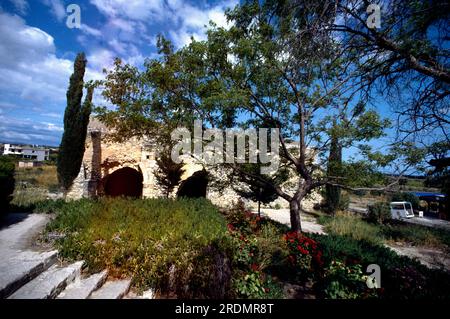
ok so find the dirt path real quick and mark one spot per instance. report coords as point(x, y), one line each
point(430, 257)
point(309, 223)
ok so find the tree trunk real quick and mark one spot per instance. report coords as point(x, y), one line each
point(294, 209)
point(259, 208)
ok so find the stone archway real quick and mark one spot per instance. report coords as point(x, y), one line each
point(194, 186)
point(123, 182)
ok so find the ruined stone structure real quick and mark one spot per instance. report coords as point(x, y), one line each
point(111, 168)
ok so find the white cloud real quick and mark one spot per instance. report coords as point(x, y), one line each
point(184, 20)
point(132, 9)
point(90, 31)
point(33, 79)
point(20, 5)
point(56, 8)
point(29, 131)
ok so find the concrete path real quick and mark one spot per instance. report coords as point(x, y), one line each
point(309, 224)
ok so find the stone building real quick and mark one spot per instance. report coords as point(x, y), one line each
point(127, 168)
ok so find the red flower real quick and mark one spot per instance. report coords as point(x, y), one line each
point(254, 267)
point(302, 251)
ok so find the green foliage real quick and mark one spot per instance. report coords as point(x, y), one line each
point(168, 175)
point(417, 235)
point(402, 277)
point(343, 281)
point(379, 212)
point(162, 244)
point(76, 119)
point(7, 168)
point(257, 249)
point(304, 255)
point(259, 67)
point(260, 187)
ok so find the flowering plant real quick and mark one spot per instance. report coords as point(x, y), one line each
point(305, 254)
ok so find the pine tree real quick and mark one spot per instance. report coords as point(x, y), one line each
point(76, 119)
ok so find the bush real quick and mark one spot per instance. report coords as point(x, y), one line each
point(304, 255)
point(7, 168)
point(258, 250)
point(401, 277)
point(343, 281)
point(379, 212)
point(177, 247)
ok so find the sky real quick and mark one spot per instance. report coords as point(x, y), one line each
point(37, 50)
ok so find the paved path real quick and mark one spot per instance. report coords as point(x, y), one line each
point(309, 224)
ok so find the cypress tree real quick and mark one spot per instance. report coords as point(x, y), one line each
point(76, 119)
point(333, 193)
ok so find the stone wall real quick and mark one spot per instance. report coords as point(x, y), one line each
point(103, 157)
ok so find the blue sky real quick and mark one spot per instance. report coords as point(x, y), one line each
point(37, 50)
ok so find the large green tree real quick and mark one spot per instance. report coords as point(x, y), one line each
point(406, 58)
point(76, 119)
point(250, 76)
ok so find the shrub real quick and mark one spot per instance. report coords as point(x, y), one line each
point(172, 246)
point(304, 254)
point(379, 212)
point(7, 168)
point(343, 281)
point(258, 249)
point(401, 277)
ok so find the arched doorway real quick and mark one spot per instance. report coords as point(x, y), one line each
point(124, 182)
point(194, 186)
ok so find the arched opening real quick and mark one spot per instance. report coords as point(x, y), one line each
point(194, 186)
point(124, 182)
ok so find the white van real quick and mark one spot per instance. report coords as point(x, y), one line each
point(401, 210)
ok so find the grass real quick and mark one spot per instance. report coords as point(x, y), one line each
point(354, 227)
point(157, 242)
point(32, 185)
point(43, 177)
point(417, 235)
point(357, 228)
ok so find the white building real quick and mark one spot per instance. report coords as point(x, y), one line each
point(27, 152)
